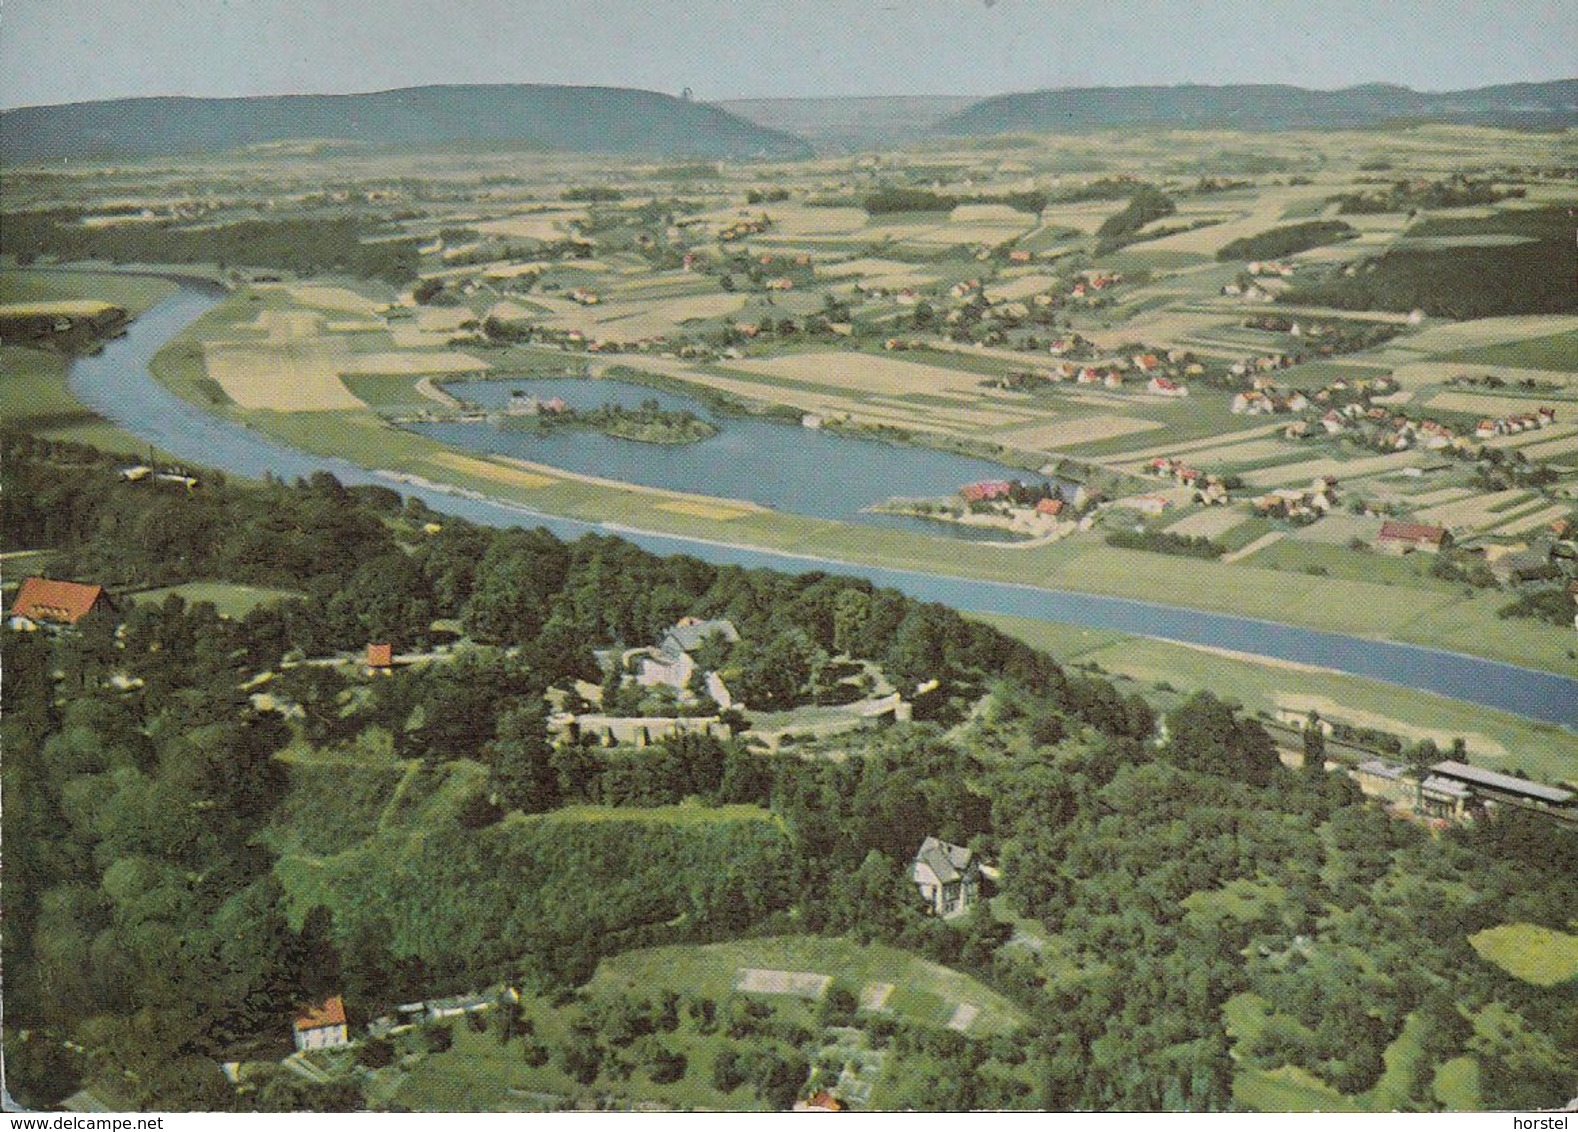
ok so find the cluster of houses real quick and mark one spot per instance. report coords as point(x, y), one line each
point(1265, 399)
point(1515, 423)
point(744, 226)
point(1210, 490)
point(1298, 504)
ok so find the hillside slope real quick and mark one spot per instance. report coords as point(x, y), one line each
point(1552, 105)
point(579, 119)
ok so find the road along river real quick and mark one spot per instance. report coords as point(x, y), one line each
point(117, 384)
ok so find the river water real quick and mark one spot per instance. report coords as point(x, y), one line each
point(118, 385)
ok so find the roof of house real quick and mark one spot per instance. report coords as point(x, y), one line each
point(329, 1012)
point(947, 862)
point(1411, 532)
point(1506, 782)
point(820, 1101)
point(689, 633)
point(45, 599)
point(380, 656)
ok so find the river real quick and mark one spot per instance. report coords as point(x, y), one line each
point(117, 384)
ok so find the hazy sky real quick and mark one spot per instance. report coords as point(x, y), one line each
point(76, 50)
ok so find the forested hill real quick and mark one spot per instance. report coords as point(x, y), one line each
point(579, 119)
point(1552, 105)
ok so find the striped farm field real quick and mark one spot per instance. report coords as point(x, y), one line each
point(1076, 430)
point(864, 373)
point(1343, 469)
point(1544, 449)
point(1534, 520)
point(1481, 404)
point(1478, 512)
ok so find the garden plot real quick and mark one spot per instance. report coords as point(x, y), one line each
point(800, 984)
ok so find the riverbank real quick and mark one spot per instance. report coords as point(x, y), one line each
point(1243, 607)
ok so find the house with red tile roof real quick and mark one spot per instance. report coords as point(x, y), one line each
point(322, 1026)
point(380, 659)
point(49, 602)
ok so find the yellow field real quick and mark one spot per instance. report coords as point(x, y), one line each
point(483, 469)
point(330, 298)
point(66, 308)
point(288, 376)
point(703, 510)
point(411, 363)
point(1328, 708)
point(864, 373)
point(1076, 430)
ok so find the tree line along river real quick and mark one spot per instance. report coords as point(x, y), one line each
point(117, 384)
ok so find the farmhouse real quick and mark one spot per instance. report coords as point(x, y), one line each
point(948, 876)
point(322, 1026)
point(42, 602)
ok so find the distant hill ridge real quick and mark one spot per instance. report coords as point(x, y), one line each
point(573, 118)
point(1549, 105)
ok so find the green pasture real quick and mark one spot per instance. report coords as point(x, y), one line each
point(1535, 954)
point(924, 992)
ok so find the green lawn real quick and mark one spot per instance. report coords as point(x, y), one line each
point(232, 600)
point(923, 991)
point(34, 398)
point(1529, 952)
point(132, 293)
point(1457, 1085)
point(686, 813)
point(1554, 352)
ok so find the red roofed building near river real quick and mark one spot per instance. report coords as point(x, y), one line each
point(46, 601)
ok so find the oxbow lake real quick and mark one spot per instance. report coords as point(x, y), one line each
point(116, 384)
point(775, 463)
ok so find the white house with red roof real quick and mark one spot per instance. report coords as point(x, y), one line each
point(323, 1026)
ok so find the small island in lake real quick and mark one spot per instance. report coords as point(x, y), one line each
point(649, 423)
